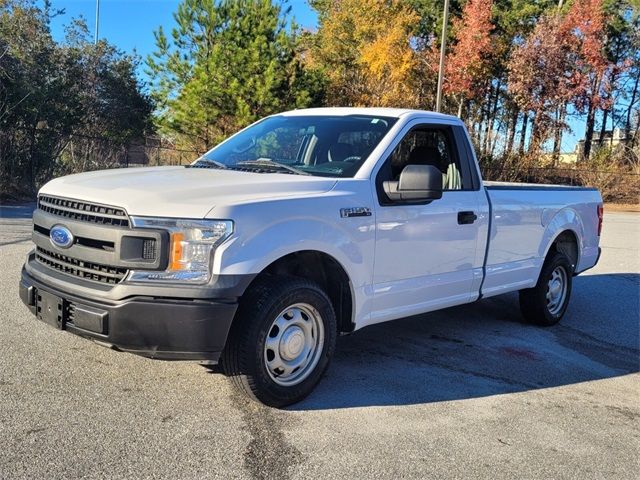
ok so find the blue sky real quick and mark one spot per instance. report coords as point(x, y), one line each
point(129, 24)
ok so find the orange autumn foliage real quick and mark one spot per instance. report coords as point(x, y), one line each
point(364, 47)
point(467, 64)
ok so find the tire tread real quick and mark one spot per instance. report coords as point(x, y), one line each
point(533, 301)
point(236, 357)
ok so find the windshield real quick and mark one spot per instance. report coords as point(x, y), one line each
point(323, 145)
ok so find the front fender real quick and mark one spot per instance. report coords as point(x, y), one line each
point(255, 247)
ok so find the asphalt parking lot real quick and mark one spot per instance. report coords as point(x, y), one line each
point(466, 392)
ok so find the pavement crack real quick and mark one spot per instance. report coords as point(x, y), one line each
point(455, 368)
point(268, 455)
point(624, 412)
point(20, 240)
point(585, 337)
point(446, 339)
point(487, 376)
point(612, 355)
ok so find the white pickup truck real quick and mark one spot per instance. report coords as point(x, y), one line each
point(301, 227)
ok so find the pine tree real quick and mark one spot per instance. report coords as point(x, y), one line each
point(227, 64)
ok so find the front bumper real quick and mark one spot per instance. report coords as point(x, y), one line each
point(155, 327)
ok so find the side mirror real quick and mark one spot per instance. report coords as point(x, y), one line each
point(417, 183)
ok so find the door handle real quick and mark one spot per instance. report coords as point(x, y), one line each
point(465, 218)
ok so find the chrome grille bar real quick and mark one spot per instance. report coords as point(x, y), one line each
point(83, 211)
point(82, 269)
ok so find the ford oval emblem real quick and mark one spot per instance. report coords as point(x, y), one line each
point(61, 237)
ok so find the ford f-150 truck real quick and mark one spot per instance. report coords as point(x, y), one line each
point(301, 227)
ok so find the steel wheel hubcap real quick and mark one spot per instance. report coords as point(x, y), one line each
point(556, 290)
point(294, 344)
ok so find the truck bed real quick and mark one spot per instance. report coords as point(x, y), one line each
point(533, 186)
point(525, 218)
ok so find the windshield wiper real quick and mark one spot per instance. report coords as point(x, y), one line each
point(267, 162)
point(210, 162)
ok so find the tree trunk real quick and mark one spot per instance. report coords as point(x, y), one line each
point(603, 128)
point(480, 126)
point(491, 125)
point(511, 136)
point(523, 132)
point(634, 136)
point(630, 109)
point(488, 126)
point(557, 139)
point(591, 119)
point(535, 134)
point(494, 143)
point(33, 188)
point(588, 136)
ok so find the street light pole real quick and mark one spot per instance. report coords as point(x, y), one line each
point(95, 36)
point(443, 48)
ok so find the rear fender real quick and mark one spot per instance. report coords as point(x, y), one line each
point(556, 224)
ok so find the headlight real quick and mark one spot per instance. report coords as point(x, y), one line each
point(191, 247)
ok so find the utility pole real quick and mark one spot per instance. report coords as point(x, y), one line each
point(95, 36)
point(443, 48)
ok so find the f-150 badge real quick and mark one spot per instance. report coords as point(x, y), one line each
point(355, 212)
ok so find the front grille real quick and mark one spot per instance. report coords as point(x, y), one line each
point(79, 268)
point(83, 211)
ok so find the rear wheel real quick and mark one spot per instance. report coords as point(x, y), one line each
point(546, 303)
point(282, 340)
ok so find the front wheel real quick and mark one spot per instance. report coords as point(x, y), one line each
point(282, 340)
point(546, 303)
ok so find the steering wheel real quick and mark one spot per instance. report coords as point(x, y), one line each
point(352, 159)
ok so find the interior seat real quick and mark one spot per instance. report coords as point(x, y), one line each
point(424, 155)
point(338, 152)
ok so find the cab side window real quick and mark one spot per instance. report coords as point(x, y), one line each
point(425, 146)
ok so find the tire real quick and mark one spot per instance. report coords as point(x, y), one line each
point(281, 322)
point(546, 303)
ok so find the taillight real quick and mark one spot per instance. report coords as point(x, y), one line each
point(600, 217)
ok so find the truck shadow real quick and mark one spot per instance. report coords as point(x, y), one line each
point(485, 349)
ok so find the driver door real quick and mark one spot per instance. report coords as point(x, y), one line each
point(427, 255)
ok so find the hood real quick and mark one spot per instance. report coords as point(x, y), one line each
point(179, 191)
